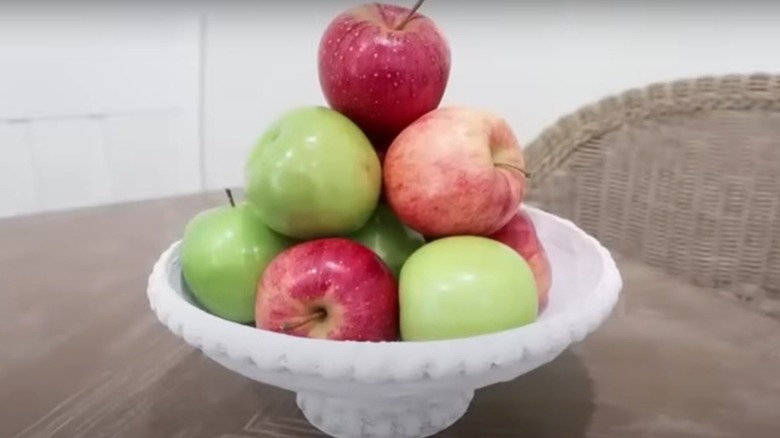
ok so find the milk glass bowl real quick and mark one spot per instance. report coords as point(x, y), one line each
point(401, 389)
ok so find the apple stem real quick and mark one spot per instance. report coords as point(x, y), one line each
point(511, 166)
point(229, 194)
point(319, 314)
point(409, 16)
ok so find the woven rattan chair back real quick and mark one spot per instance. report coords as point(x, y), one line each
point(683, 176)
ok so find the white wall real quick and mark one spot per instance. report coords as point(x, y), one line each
point(97, 109)
point(530, 62)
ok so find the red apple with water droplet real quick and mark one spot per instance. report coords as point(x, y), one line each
point(520, 234)
point(329, 288)
point(383, 66)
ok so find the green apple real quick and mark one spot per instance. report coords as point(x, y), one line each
point(389, 238)
point(313, 173)
point(462, 286)
point(223, 253)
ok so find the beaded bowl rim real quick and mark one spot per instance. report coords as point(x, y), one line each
point(385, 362)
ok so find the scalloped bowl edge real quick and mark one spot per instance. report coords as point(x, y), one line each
point(263, 354)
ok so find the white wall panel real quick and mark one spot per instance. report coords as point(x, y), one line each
point(70, 163)
point(108, 102)
point(17, 175)
point(148, 158)
point(93, 64)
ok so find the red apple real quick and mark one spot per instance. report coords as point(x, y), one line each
point(455, 170)
point(381, 69)
point(330, 288)
point(520, 234)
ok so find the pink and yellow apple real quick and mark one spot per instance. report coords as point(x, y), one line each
point(520, 235)
point(454, 171)
point(329, 288)
point(383, 68)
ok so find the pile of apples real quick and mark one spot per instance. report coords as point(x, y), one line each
point(381, 217)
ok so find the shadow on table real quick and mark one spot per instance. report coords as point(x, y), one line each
point(555, 401)
point(200, 399)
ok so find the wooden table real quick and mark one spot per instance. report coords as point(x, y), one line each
point(83, 356)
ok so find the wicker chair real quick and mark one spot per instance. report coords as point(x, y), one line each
point(681, 181)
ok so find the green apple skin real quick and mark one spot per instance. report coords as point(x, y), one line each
point(389, 238)
point(312, 174)
point(223, 253)
point(462, 286)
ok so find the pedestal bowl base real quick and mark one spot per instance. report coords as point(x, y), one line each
point(397, 417)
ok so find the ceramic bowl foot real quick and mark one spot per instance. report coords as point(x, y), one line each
point(398, 417)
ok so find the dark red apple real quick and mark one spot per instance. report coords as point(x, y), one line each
point(330, 288)
point(520, 234)
point(383, 66)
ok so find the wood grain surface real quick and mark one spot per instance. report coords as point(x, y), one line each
point(82, 356)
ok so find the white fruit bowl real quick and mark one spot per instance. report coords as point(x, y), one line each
point(402, 389)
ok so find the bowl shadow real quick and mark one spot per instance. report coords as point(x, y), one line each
point(554, 400)
point(199, 398)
